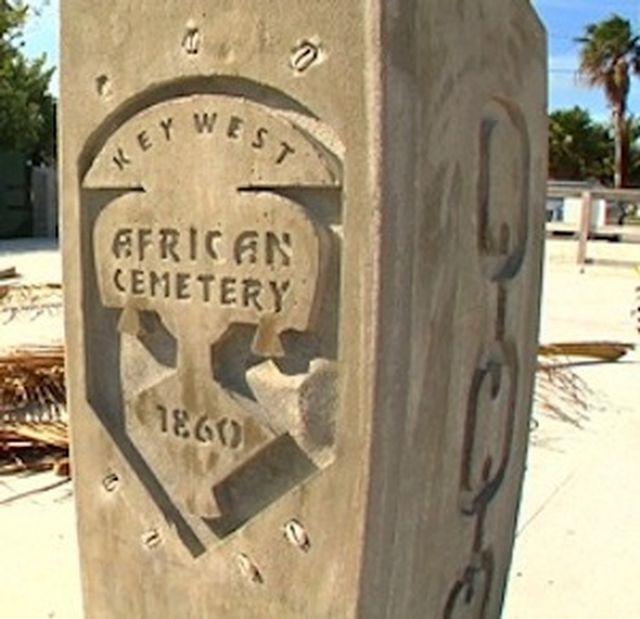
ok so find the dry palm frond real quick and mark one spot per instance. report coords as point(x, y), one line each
point(561, 393)
point(54, 433)
point(31, 379)
point(33, 424)
point(607, 351)
point(9, 273)
point(36, 299)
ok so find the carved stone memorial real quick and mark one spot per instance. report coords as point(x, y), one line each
point(302, 248)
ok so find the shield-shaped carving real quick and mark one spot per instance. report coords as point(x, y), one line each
point(199, 239)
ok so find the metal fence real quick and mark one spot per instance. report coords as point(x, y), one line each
point(28, 198)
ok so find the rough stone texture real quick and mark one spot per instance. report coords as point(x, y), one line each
point(302, 259)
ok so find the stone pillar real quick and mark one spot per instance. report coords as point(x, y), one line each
point(302, 257)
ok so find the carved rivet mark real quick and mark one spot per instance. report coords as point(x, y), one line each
point(151, 539)
point(103, 86)
point(191, 39)
point(249, 569)
point(297, 536)
point(304, 55)
point(111, 482)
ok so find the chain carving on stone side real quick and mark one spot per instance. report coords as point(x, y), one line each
point(502, 235)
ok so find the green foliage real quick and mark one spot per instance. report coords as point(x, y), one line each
point(579, 148)
point(633, 131)
point(12, 17)
point(27, 110)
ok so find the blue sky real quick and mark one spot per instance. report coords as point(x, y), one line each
point(564, 19)
point(41, 35)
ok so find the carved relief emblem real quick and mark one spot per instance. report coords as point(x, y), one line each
point(213, 259)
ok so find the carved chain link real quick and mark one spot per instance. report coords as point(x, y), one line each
point(492, 402)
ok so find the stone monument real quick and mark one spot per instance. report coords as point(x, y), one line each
point(302, 247)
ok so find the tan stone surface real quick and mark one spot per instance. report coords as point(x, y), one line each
point(332, 421)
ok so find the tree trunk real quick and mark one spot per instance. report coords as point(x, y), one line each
point(621, 147)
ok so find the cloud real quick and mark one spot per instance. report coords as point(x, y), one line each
point(566, 61)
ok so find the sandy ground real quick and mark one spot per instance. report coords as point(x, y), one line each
point(578, 545)
point(38, 262)
point(38, 559)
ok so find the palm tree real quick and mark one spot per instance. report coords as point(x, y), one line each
point(609, 55)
